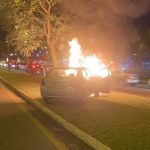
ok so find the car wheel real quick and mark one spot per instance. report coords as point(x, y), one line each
point(105, 88)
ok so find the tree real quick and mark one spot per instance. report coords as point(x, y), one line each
point(145, 40)
point(36, 23)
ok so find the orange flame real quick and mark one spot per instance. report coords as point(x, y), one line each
point(94, 66)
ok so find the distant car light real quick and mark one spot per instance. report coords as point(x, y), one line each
point(33, 66)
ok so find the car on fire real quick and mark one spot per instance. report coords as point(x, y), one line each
point(59, 83)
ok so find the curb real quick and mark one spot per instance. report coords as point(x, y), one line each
point(144, 86)
point(89, 140)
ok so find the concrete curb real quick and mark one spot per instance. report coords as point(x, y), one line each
point(145, 86)
point(89, 140)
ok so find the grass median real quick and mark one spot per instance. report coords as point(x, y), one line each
point(121, 121)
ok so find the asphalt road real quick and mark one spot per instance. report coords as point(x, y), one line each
point(18, 129)
point(24, 127)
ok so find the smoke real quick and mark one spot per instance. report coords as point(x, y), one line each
point(106, 26)
point(130, 8)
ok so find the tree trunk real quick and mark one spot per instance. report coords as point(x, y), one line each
point(52, 52)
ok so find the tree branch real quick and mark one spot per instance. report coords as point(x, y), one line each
point(42, 7)
point(45, 29)
point(38, 20)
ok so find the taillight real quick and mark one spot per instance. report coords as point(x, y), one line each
point(33, 66)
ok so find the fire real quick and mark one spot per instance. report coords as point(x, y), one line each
point(75, 54)
point(94, 66)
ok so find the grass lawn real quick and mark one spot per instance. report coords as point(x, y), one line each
point(121, 121)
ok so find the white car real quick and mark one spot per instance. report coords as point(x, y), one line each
point(132, 79)
point(56, 84)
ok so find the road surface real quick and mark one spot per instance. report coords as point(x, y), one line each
point(22, 127)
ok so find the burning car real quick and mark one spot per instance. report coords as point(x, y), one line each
point(59, 84)
point(84, 76)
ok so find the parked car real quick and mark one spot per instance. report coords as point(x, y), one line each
point(132, 79)
point(35, 67)
point(3, 64)
point(57, 84)
point(12, 64)
point(21, 66)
